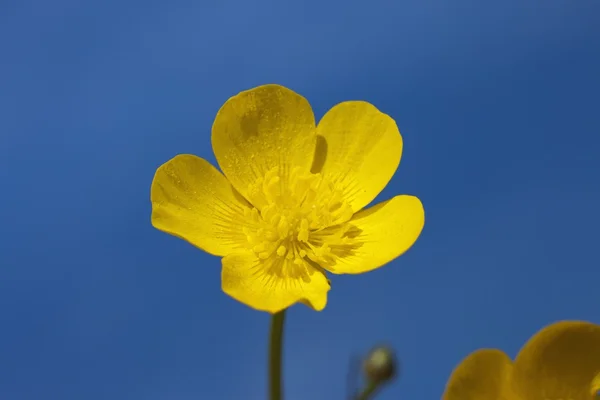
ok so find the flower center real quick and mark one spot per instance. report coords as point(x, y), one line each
point(291, 215)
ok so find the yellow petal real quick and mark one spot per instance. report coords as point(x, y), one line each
point(272, 287)
point(559, 362)
point(595, 387)
point(359, 149)
point(261, 129)
point(480, 376)
point(193, 201)
point(377, 235)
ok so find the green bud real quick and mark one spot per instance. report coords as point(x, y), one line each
point(380, 365)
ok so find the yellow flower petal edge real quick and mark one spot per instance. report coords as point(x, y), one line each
point(359, 148)
point(373, 237)
point(193, 201)
point(480, 376)
point(560, 362)
point(273, 287)
point(260, 130)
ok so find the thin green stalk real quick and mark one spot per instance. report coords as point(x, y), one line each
point(275, 356)
point(368, 391)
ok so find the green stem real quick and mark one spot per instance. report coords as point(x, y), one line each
point(368, 391)
point(275, 355)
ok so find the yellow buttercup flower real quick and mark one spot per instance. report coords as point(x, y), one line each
point(288, 205)
point(560, 362)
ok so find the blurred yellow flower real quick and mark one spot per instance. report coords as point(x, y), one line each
point(560, 362)
point(288, 204)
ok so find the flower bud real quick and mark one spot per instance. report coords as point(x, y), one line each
point(380, 365)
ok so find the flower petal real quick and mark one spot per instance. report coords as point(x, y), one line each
point(266, 286)
point(261, 129)
point(559, 362)
point(359, 149)
point(193, 201)
point(378, 235)
point(482, 375)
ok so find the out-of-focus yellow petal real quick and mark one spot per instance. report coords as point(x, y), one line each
point(375, 236)
point(261, 129)
point(595, 387)
point(274, 284)
point(482, 375)
point(193, 201)
point(359, 149)
point(559, 362)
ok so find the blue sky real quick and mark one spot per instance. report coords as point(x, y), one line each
point(498, 106)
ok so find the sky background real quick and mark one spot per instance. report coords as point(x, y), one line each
point(498, 103)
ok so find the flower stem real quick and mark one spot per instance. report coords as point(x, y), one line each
point(368, 391)
point(275, 355)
